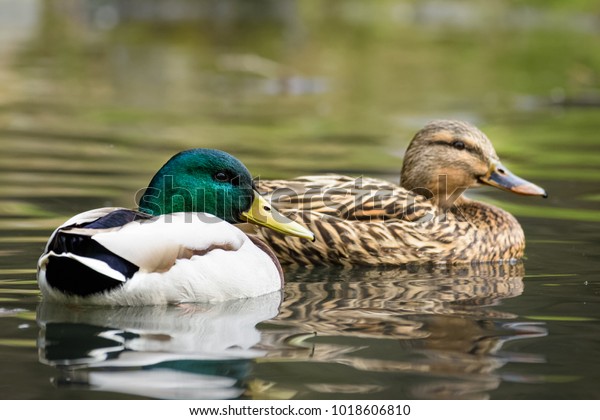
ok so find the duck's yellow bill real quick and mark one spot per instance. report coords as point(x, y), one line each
point(500, 177)
point(262, 213)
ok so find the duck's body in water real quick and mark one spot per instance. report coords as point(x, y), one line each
point(426, 219)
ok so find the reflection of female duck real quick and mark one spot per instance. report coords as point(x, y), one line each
point(369, 221)
point(384, 299)
point(438, 326)
point(169, 251)
point(186, 351)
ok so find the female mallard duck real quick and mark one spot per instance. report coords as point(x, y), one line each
point(427, 219)
point(179, 246)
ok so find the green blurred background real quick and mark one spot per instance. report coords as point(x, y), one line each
point(96, 94)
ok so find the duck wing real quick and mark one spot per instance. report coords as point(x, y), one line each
point(351, 242)
point(75, 262)
point(88, 256)
point(347, 198)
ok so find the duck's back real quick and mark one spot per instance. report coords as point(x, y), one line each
point(347, 198)
point(366, 221)
point(123, 257)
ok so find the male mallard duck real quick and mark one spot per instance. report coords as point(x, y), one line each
point(427, 219)
point(179, 246)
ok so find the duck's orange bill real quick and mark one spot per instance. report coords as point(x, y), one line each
point(500, 177)
point(262, 213)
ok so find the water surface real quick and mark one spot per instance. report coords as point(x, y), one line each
point(95, 96)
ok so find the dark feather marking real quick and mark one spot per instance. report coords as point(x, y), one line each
point(339, 228)
point(116, 218)
point(85, 246)
point(325, 235)
point(73, 278)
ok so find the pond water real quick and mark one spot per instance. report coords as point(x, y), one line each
point(95, 96)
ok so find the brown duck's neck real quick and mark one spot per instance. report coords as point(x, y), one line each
point(486, 216)
point(482, 215)
point(505, 237)
point(449, 201)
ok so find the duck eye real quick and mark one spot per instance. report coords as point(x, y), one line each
point(221, 177)
point(459, 145)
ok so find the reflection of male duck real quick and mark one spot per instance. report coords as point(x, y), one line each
point(187, 351)
point(443, 334)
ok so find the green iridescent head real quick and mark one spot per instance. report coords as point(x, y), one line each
point(212, 181)
point(200, 180)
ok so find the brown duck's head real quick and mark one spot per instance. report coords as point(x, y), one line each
point(446, 157)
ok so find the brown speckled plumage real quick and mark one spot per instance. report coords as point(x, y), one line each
point(372, 222)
